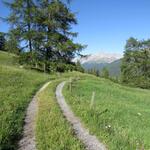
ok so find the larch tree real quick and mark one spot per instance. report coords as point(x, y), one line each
point(2, 41)
point(12, 43)
point(135, 68)
point(55, 39)
point(105, 73)
point(21, 19)
point(43, 29)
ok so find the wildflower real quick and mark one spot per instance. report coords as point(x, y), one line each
point(109, 126)
point(139, 114)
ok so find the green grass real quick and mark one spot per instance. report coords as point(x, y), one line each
point(120, 116)
point(53, 131)
point(7, 59)
point(17, 86)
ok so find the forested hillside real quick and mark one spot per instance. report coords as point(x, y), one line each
point(114, 68)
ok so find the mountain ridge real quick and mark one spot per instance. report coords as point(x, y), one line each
point(101, 57)
point(98, 61)
point(114, 68)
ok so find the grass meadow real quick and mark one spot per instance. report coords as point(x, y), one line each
point(116, 114)
point(119, 115)
point(17, 86)
point(8, 59)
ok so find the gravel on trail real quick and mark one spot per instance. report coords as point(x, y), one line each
point(28, 139)
point(90, 141)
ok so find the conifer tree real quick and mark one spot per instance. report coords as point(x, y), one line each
point(21, 19)
point(55, 42)
point(135, 67)
point(12, 43)
point(105, 73)
point(43, 28)
point(2, 41)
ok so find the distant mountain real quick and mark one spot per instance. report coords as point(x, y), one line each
point(101, 58)
point(98, 61)
point(114, 68)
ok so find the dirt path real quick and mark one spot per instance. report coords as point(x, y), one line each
point(28, 140)
point(90, 141)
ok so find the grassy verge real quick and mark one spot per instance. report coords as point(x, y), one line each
point(7, 59)
point(52, 130)
point(119, 116)
point(17, 87)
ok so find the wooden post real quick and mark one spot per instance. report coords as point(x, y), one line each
point(44, 68)
point(92, 100)
point(70, 86)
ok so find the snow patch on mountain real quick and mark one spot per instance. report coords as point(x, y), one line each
point(101, 58)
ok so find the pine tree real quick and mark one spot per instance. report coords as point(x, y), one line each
point(2, 41)
point(105, 73)
point(97, 73)
point(12, 44)
point(79, 67)
point(135, 67)
point(43, 28)
point(22, 20)
point(55, 42)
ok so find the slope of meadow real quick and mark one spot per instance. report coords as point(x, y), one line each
point(17, 87)
point(7, 59)
point(119, 115)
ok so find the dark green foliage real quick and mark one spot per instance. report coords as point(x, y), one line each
point(114, 68)
point(12, 44)
point(25, 58)
point(2, 41)
point(79, 67)
point(55, 43)
point(93, 71)
point(22, 20)
point(97, 73)
point(44, 27)
point(105, 73)
point(136, 63)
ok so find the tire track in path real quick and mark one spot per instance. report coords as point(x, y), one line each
point(90, 141)
point(28, 139)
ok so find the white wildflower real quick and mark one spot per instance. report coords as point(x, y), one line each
point(139, 114)
point(109, 126)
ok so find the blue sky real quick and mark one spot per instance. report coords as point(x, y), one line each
point(105, 25)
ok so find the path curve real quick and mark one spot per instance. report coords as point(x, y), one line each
point(90, 141)
point(28, 140)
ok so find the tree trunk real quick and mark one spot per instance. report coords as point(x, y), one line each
point(29, 24)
